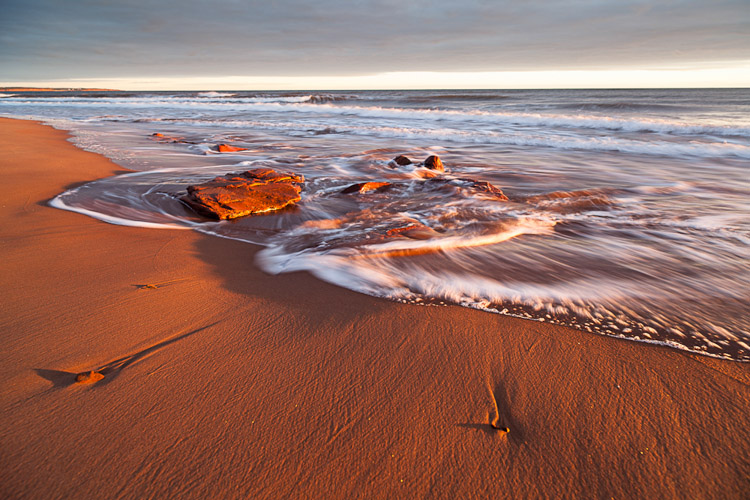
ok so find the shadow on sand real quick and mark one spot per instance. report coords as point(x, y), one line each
point(112, 369)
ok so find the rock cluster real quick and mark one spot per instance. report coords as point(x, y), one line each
point(244, 193)
point(432, 181)
point(264, 190)
point(432, 162)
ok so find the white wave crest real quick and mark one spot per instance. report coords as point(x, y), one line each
point(215, 94)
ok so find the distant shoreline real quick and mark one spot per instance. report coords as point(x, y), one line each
point(435, 89)
point(48, 89)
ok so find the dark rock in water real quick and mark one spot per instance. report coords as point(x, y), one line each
point(244, 193)
point(434, 163)
point(401, 160)
point(325, 131)
point(364, 187)
point(227, 148)
point(88, 377)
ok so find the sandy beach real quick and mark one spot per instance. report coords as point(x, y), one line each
point(221, 381)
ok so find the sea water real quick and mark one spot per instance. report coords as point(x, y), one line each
point(628, 211)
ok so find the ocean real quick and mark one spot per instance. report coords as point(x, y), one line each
point(628, 211)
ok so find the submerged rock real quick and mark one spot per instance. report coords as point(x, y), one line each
point(427, 174)
point(434, 182)
point(158, 136)
point(572, 201)
point(244, 193)
point(434, 163)
point(448, 185)
point(227, 148)
point(487, 188)
point(364, 187)
point(415, 231)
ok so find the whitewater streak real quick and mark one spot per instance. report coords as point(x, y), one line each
point(517, 138)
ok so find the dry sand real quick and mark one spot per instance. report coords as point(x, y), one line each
point(223, 382)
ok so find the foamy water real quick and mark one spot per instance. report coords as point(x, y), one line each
point(627, 212)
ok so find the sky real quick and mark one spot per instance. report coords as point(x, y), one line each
point(333, 44)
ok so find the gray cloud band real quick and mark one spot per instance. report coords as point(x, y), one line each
point(52, 39)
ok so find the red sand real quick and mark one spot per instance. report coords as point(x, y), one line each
point(223, 382)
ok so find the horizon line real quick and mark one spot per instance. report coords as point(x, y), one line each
point(394, 89)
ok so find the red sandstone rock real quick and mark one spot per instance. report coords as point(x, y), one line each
point(226, 148)
point(244, 193)
point(434, 163)
point(364, 187)
point(271, 175)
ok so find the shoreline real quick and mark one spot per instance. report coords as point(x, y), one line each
point(220, 380)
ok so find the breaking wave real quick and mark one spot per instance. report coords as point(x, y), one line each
point(215, 94)
point(321, 104)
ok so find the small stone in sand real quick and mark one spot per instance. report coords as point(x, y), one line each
point(88, 377)
point(504, 430)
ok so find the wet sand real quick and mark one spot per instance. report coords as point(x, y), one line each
point(221, 381)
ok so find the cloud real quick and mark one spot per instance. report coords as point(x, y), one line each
point(104, 38)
